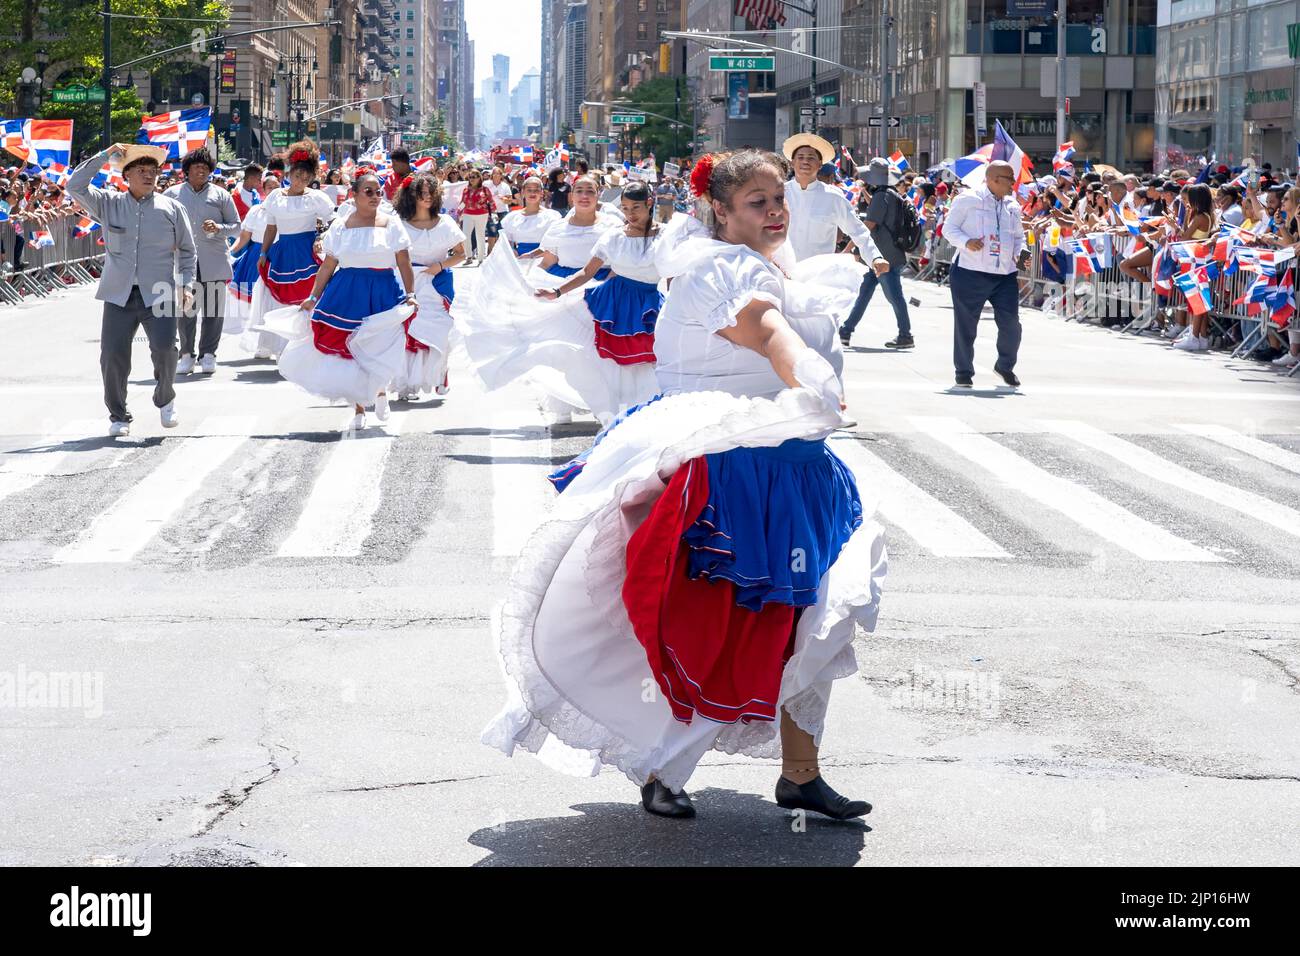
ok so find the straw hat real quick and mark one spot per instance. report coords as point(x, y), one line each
point(134, 152)
point(824, 148)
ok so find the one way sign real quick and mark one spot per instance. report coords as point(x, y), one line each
point(894, 121)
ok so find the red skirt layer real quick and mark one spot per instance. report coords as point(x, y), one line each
point(709, 656)
point(625, 349)
point(288, 293)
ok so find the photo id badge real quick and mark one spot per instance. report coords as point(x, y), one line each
point(995, 247)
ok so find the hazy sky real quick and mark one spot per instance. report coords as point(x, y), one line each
point(512, 27)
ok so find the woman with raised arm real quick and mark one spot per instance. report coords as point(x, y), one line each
point(697, 586)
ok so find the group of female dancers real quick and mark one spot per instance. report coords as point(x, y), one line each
point(698, 580)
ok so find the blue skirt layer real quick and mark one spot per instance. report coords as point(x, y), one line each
point(523, 248)
point(243, 270)
point(562, 477)
point(623, 306)
point(353, 294)
point(775, 521)
point(443, 281)
point(289, 258)
point(565, 271)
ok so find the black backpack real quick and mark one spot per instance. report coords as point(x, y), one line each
point(906, 229)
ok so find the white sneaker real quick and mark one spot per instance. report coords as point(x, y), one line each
point(262, 354)
point(381, 406)
point(119, 429)
point(358, 423)
point(208, 364)
point(1287, 360)
point(185, 365)
point(1185, 344)
point(1173, 331)
point(168, 415)
point(442, 389)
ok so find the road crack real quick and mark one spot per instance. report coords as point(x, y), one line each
point(232, 798)
point(413, 783)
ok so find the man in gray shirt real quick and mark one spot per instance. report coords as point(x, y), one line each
point(147, 242)
point(213, 217)
point(884, 213)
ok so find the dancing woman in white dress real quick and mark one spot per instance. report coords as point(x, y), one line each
point(524, 228)
point(437, 244)
point(566, 245)
point(355, 343)
point(698, 584)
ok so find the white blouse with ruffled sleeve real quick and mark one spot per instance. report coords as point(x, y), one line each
point(435, 243)
point(366, 247)
point(294, 214)
point(573, 244)
point(632, 257)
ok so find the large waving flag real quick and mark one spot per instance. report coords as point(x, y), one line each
point(374, 153)
point(898, 163)
point(1062, 160)
point(1005, 149)
point(12, 137)
point(45, 144)
point(178, 132)
point(970, 169)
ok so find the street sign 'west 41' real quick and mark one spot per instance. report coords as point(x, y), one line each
point(727, 63)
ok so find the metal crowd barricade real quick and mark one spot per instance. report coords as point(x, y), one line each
point(71, 260)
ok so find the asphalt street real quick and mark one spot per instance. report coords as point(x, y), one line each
point(271, 641)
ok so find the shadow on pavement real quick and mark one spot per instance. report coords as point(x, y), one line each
point(731, 829)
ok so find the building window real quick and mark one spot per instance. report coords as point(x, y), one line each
point(410, 87)
point(410, 15)
point(642, 6)
point(642, 30)
point(410, 70)
point(410, 51)
point(410, 33)
point(661, 6)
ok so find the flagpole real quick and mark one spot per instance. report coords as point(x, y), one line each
point(1062, 134)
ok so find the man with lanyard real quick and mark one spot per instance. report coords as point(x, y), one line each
point(148, 246)
point(818, 213)
point(213, 219)
point(249, 193)
point(984, 225)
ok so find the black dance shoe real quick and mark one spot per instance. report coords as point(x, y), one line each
point(1008, 376)
point(661, 801)
point(817, 795)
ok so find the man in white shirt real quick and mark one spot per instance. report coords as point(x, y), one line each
point(984, 224)
point(818, 213)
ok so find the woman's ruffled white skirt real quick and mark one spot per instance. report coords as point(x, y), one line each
point(510, 335)
point(378, 350)
point(581, 693)
point(255, 337)
point(423, 371)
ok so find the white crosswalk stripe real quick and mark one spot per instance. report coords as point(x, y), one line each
point(520, 492)
point(932, 524)
point(20, 472)
point(339, 513)
point(1153, 466)
point(1264, 451)
point(119, 533)
point(1081, 505)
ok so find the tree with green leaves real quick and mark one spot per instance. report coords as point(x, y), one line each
point(69, 34)
point(658, 135)
point(434, 133)
point(88, 121)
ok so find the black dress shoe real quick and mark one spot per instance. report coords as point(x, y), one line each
point(818, 796)
point(661, 801)
point(1008, 377)
point(901, 342)
point(844, 338)
point(965, 381)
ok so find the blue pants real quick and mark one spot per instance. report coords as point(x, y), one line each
point(892, 283)
point(970, 290)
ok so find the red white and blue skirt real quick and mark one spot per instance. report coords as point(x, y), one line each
point(625, 311)
point(511, 335)
point(428, 333)
point(243, 279)
point(730, 577)
point(354, 343)
point(523, 248)
point(291, 267)
point(563, 272)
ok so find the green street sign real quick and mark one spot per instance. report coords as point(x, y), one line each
point(598, 140)
point(725, 63)
point(76, 93)
point(628, 119)
point(280, 137)
point(830, 99)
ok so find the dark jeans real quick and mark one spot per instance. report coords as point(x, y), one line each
point(115, 337)
point(210, 299)
point(970, 290)
point(892, 283)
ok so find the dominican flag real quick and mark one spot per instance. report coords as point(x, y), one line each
point(1005, 149)
point(898, 163)
point(970, 169)
point(522, 154)
point(442, 151)
point(178, 132)
point(1085, 259)
point(45, 144)
point(109, 176)
point(425, 165)
point(848, 166)
point(1061, 160)
point(41, 238)
point(1194, 290)
point(84, 227)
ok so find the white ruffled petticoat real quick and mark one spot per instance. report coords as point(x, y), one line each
point(432, 326)
point(581, 693)
point(254, 337)
point(378, 350)
point(510, 335)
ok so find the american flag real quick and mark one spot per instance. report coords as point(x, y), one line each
point(761, 12)
point(178, 132)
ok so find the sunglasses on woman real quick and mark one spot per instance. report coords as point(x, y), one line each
point(370, 191)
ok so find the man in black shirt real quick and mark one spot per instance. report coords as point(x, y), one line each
point(883, 216)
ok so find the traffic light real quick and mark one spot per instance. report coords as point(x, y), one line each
point(216, 46)
point(665, 58)
point(403, 108)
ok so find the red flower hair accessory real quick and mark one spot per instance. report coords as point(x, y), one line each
point(300, 156)
point(701, 174)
